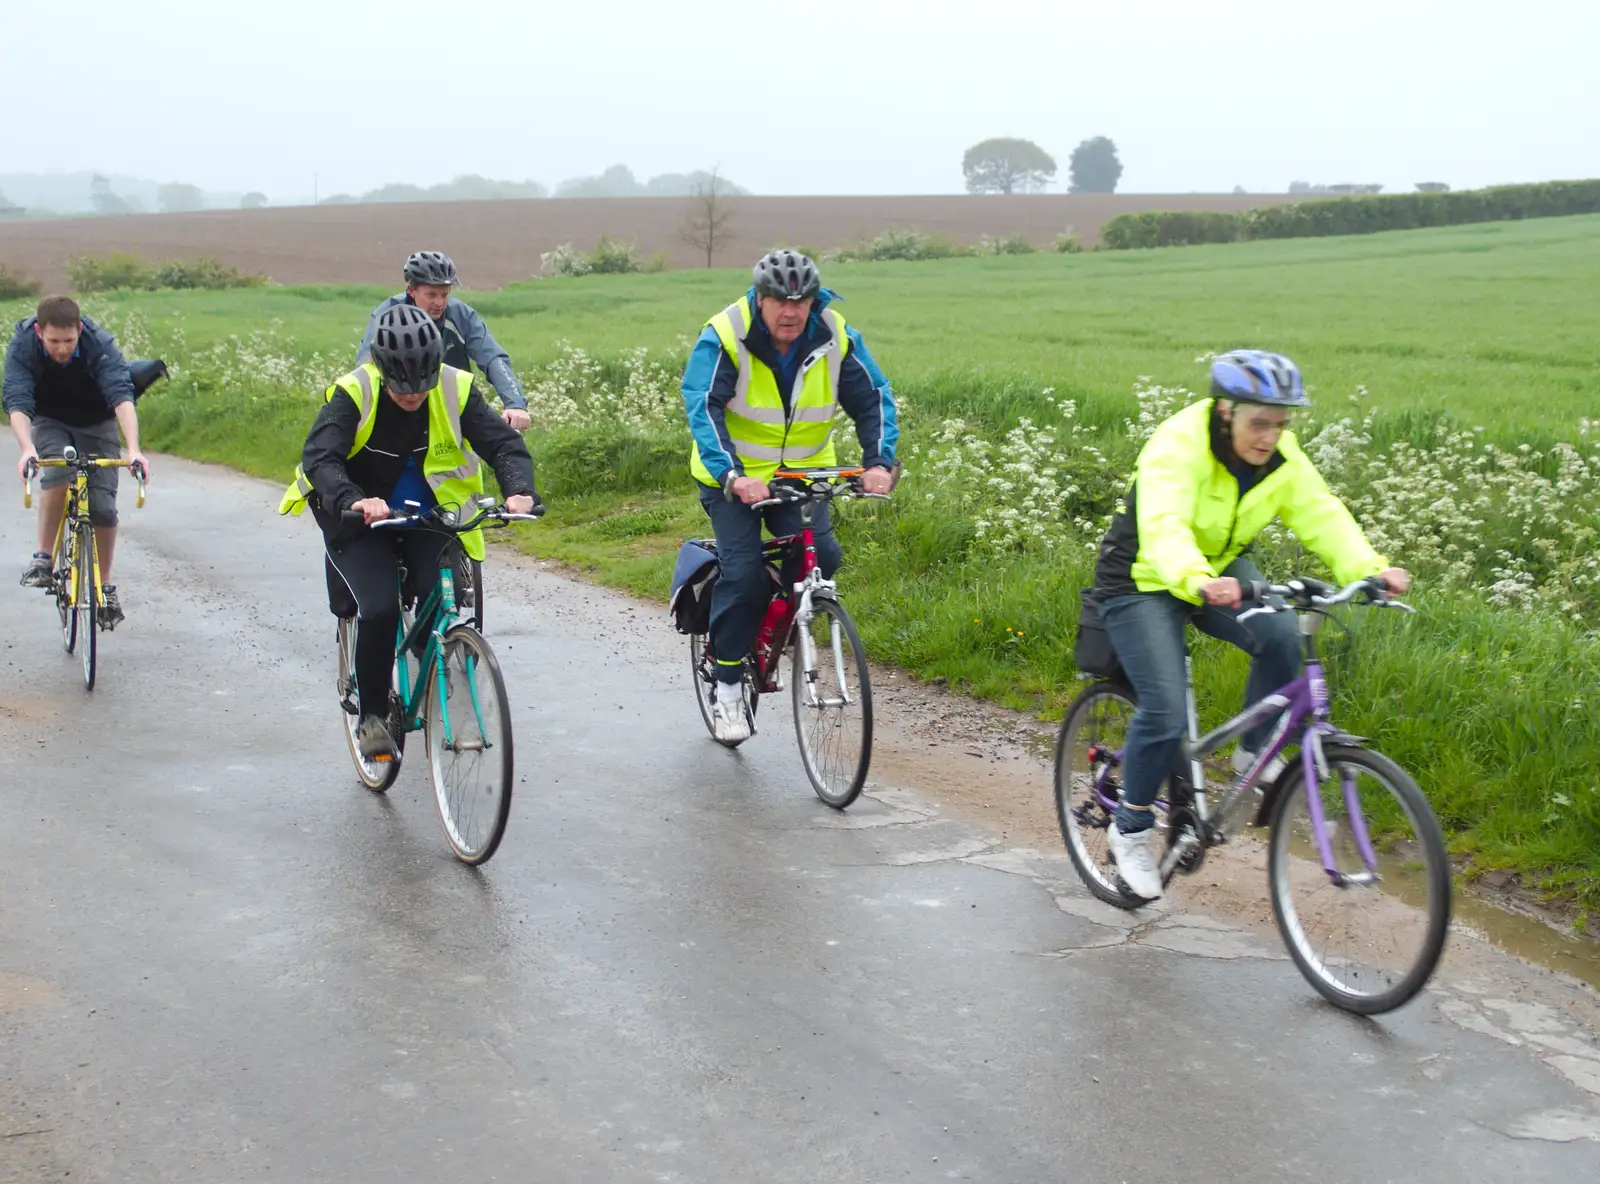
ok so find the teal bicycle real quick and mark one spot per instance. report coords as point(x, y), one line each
point(458, 697)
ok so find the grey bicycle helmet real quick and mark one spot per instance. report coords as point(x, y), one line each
point(408, 350)
point(431, 267)
point(788, 275)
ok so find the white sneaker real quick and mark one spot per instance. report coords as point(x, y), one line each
point(729, 724)
point(1136, 863)
point(1243, 758)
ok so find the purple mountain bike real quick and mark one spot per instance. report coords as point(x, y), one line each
point(1365, 842)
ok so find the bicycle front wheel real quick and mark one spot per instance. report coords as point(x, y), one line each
point(64, 570)
point(85, 605)
point(469, 745)
point(1369, 939)
point(832, 703)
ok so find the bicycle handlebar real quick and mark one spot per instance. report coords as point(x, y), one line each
point(442, 518)
point(818, 485)
point(1304, 593)
point(69, 459)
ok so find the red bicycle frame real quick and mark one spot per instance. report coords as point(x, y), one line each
point(776, 624)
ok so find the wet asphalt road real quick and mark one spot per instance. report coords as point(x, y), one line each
point(222, 959)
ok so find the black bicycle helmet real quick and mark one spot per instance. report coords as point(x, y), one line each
point(407, 350)
point(788, 275)
point(431, 267)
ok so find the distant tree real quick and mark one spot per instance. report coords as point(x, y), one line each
point(103, 200)
point(253, 201)
point(1094, 167)
point(616, 181)
point(177, 198)
point(690, 185)
point(1005, 165)
point(1432, 187)
point(1239, 190)
point(705, 225)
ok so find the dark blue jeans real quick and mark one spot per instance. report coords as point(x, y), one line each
point(1146, 628)
point(743, 590)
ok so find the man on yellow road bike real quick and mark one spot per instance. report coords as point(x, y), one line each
point(66, 382)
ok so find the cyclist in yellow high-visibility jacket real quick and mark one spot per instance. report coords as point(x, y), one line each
point(1206, 484)
point(761, 389)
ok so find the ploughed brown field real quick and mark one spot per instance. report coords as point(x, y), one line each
point(498, 242)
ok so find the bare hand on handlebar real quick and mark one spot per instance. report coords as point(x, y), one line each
point(877, 480)
point(1223, 593)
point(371, 509)
point(519, 503)
point(749, 490)
point(28, 464)
point(1398, 580)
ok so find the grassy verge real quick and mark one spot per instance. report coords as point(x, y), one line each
point(1466, 328)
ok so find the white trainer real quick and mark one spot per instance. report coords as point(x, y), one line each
point(1243, 758)
point(1136, 862)
point(729, 723)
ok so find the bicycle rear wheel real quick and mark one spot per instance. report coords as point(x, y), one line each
point(471, 758)
point(1088, 785)
point(1370, 943)
point(833, 704)
point(377, 776)
point(85, 607)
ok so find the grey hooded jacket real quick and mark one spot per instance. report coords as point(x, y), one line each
point(466, 340)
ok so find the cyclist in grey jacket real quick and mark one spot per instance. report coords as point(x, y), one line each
point(429, 277)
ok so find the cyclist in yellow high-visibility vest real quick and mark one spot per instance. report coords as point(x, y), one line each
point(761, 389)
point(401, 427)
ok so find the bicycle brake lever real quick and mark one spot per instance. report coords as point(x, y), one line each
point(1257, 611)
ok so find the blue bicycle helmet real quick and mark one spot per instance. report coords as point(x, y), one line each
point(1256, 376)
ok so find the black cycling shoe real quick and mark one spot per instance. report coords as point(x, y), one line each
point(111, 612)
point(374, 741)
point(37, 574)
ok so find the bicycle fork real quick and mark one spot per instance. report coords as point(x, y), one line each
point(808, 647)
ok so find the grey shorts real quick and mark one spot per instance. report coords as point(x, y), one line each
point(50, 438)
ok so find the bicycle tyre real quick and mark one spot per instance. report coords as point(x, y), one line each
point(63, 566)
point(477, 594)
point(462, 639)
point(1279, 859)
point(838, 792)
point(702, 673)
point(1077, 818)
point(377, 776)
point(87, 608)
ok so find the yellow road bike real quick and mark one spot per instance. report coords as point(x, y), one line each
point(75, 565)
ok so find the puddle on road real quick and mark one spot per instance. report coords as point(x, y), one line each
point(1530, 938)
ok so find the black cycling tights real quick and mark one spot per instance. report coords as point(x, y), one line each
point(369, 566)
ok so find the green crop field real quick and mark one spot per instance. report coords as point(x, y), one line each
point(1464, 362)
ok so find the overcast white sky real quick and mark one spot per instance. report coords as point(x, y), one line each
point(862, 96)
